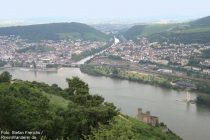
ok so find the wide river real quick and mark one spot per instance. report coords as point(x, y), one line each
point(187, 120)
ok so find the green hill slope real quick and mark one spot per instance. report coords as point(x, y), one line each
point(134, 31)
point(201, 22)
point(71, 113)
point(55, 31)
point(197, 31)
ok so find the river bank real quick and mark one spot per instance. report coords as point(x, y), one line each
point(202, 99)
point(161, 81)
point(31, 69)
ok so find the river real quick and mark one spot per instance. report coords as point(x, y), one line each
point(187, 120)
point(83, 61)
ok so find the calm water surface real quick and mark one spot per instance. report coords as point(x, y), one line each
point(187, 120)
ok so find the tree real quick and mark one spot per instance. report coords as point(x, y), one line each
point(2, 63)
point(5, 77)
point(115, 72)
point(118, 129)
point(79, 119)
point(77, 86)
point(85, 111)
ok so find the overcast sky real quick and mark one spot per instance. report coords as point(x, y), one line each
point(90, 10)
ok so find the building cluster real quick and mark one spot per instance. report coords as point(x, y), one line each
point(160, 53)
point(19, 52)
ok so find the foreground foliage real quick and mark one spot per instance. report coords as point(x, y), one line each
point(71, 113)
point(35, 106)
point(126, 128)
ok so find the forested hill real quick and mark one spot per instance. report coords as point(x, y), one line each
point(201, 22)
point(197, 31)
point(72, 113)
point(55, 31)
point(134, 31)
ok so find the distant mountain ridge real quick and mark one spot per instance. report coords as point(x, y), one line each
point(197, 31)
point(55, 31)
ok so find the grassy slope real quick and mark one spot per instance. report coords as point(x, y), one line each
point(151, 133)
point(57, 100)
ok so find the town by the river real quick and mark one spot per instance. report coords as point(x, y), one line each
point(186, 120)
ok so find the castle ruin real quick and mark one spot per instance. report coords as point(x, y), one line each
point(147, 118)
